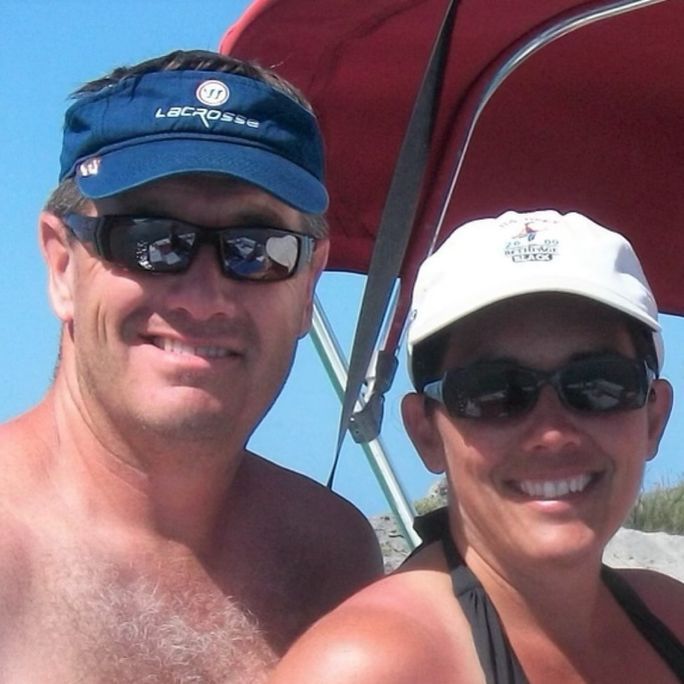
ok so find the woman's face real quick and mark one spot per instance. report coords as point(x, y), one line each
point(553, 483)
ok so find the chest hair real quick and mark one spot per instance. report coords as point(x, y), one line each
point(102, 623)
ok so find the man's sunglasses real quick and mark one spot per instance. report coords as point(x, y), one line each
point(166, 245)
point(503, 389)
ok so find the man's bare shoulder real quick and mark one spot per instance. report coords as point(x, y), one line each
point(15, 569)
point(312, 549)
point(314, 515)
point(22, 478)
point(18, 483)
point(394, 631)
point(15, 435)
point(24, 455)
point(663, 595)
point(24, 439)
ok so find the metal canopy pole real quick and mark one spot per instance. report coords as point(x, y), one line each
point(335, 364)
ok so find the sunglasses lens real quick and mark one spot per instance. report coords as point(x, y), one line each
point(489, 390)
point(155, 245)
point(259, 253)
point(162, 245)
point(504, 389)
point(604, 384)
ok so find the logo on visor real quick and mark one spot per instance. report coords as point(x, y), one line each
point(212, 93)
point(90, 167)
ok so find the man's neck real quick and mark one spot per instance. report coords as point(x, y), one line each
point(177, 492)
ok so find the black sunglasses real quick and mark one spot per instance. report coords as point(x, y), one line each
point(504, 389)
point(166, 245)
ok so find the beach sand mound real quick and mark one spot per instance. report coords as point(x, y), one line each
point(654, 550)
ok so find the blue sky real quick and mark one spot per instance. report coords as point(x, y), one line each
point(47, 49)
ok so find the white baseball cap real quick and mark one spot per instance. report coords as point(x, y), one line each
point(489, 260)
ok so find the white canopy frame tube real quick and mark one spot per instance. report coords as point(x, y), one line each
point(335, 364)
point(567, 25)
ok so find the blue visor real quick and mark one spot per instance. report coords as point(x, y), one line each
point(168, 123)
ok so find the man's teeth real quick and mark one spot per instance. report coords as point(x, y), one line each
point(177, 347)
point(553, 489)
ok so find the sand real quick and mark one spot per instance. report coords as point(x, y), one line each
point(653, 550)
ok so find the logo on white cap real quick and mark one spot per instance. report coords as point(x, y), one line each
point(212, 93)
point(523, 247)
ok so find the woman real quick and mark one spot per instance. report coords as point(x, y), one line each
point(535, 350)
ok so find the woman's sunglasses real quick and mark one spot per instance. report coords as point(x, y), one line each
point(504, 389)
point(166, 245)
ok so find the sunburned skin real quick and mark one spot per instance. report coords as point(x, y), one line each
point(101, 624)
point(140, 540)
point(89, 599)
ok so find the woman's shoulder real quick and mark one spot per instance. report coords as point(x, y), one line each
point(397, 630)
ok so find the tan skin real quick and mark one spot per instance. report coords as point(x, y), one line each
point(134, 465)
point(538, 558)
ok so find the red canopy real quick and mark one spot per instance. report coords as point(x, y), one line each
point(592, 122)
point(543, 104)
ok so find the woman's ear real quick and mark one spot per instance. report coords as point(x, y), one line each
point(54, 244)
point(659, 407)
point(420, 425)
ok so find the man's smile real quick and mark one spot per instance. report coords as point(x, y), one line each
point(175, 346)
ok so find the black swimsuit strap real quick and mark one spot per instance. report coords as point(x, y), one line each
point(665, 643)
point(497, 658)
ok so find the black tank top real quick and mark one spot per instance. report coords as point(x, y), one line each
point(497, 657)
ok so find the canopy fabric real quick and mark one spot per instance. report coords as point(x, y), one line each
point(591, 122)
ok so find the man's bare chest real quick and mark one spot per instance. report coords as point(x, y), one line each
point(92, 621)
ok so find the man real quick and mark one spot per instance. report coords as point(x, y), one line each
point(535, 349)
point(141, 541)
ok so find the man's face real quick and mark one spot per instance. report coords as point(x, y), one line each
point(509, 478)
point(193, 356)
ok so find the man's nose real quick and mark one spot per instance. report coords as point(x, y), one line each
point(203, 291)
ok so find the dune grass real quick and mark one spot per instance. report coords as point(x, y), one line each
point(659, 509)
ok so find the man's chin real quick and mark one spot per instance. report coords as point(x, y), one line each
point(176, 422)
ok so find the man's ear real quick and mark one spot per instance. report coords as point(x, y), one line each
point(659, 407)
point(420, 425)
point(54, 245)
point(318, 261)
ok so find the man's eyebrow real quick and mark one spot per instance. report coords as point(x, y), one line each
point(245, 216)
point(262, 216)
